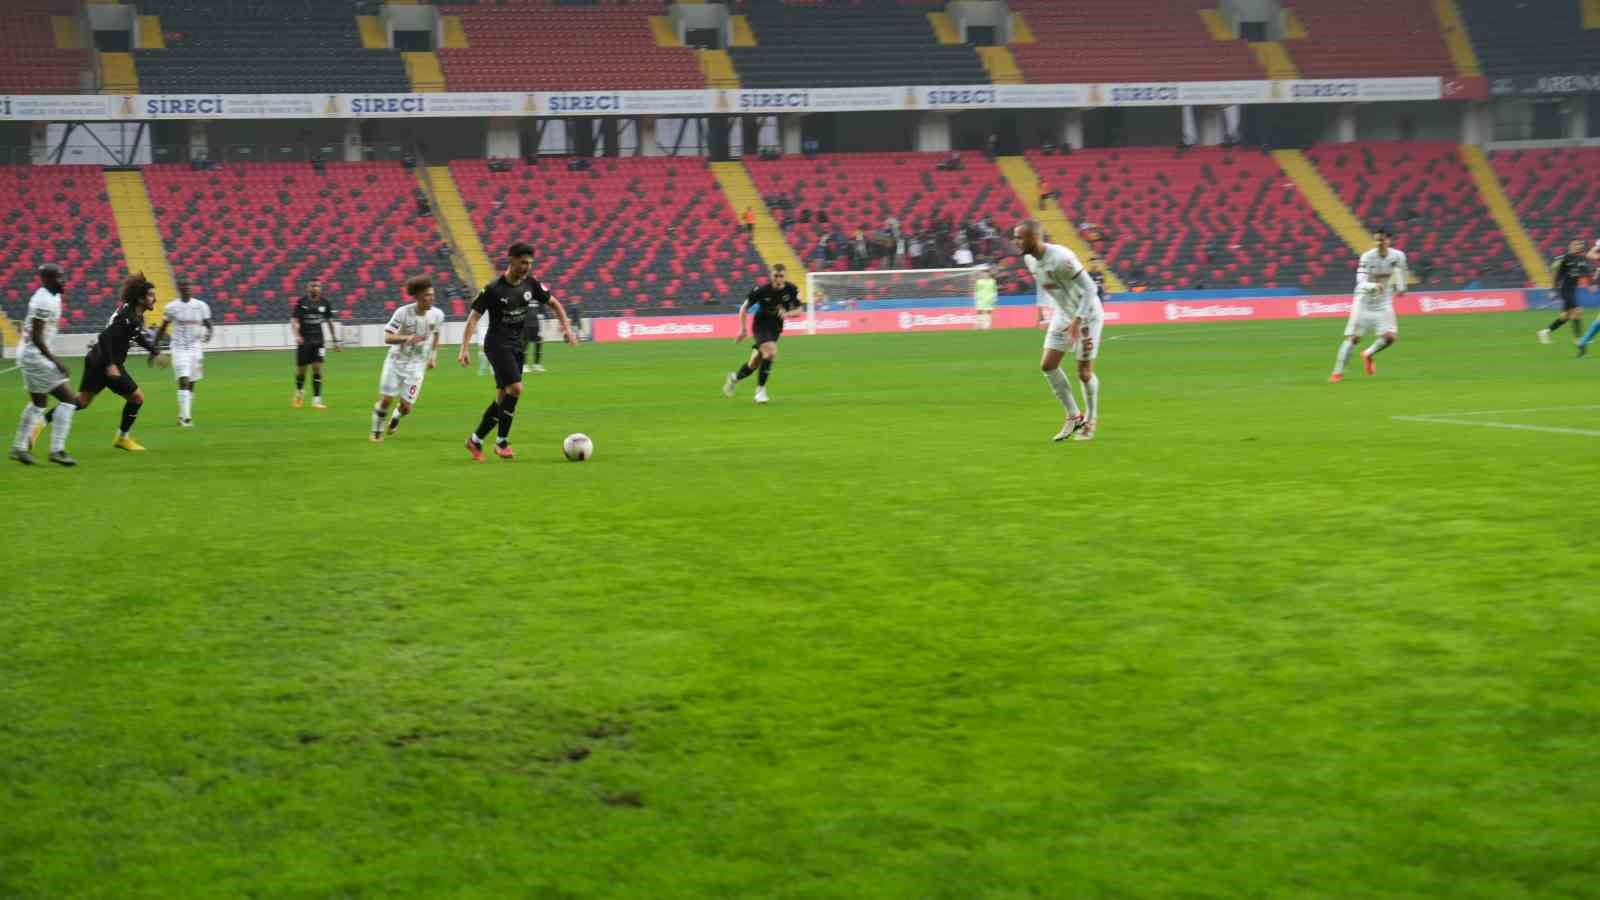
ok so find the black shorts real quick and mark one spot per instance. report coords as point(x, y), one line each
point(506, 362)
point(1569, 301)
point(532, 333)
point(768, 334)
point(96, 380)
point(306, 354)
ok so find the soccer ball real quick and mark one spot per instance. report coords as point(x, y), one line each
point(577, 447)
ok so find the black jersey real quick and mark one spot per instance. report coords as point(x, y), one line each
point(1099, 279)
point(126, 327)
point(311, 314)
point(768, 304)
point(1568, 269)
point(508, 306)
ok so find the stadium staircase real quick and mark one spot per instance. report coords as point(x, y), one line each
point(1322, 198)
point(1553, 190)
point(635, 234)
point(1024, 183)
point(59, 214)
point(1457, 39)
point(456, 223)
point(1427, 194)
point(142, 246)
point(1274, 59)
point(767, 237)
point(1202, 218)
point(1505, 216)
point(251, 235)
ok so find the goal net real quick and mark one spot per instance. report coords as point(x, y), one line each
point(891, 289)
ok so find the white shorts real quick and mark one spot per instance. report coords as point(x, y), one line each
point(1376, 321)
point(1056, 337)
point(39, 374)
point(190, 364)
point(404, 382)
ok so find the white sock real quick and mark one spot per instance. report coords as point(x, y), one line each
point(378, 415)
point(1062, 388)
point(1377, 347)
point(1344, 356)
point(60, 426)
point(1091, 398)
point(30, 417)
point(185, 403)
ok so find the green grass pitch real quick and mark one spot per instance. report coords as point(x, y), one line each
point(879, 639)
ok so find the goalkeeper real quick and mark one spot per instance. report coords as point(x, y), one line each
point(985, 294)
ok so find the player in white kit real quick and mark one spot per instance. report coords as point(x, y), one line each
point(43, 375)
point(413, 338)
point(1075, 326)
point(186, 316)
point(1380, 278)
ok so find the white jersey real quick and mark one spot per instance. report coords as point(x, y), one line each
point(188, 318)
point(1064, 280)
point(45, 307)
point(407, 322)
point(1379, 278)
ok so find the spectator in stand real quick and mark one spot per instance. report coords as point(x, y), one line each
point(749, 219)
point(963, 256)
point(915, 250)
point(991, 145)
point(858, 249)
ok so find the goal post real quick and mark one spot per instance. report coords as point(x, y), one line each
point(891, 288)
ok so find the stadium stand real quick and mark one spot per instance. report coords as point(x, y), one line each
point(251, 236)
point(31, 62)
point(59, 214)
point(1370, 39)
point(546, 45)
point(263, 46)
point(861, 191)
point(1513, 40)
point(632, 235)
point(1205, 218)
point(1093, 41)
point(1424, 193)
point(1553, 192)
point(845, 44)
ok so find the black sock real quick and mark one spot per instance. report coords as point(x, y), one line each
point(1556, 325)
point(766, 372)
point(1577, 327)
point(508, 409)
point(316, 385)
point(487, 423)
point(538, 351)
point(299, 382)
point(744, 372)
point(130, 411)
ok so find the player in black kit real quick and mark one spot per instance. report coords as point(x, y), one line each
point(770, 303)
point(311, 313)
point(507, 301)
point(106, 366)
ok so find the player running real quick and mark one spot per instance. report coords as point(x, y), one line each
point(507, 302)
point(107, 363)
point(413, 338)
point(311, 313)
point(186, 316)
point(772, 302)
point(1380, 277)
point(1566, 271)
point(1075, 326)
point(43, 374)
point(533, 333)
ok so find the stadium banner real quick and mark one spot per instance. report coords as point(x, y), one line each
point(1567, 85)
point(149, 107)
point(1133, 312)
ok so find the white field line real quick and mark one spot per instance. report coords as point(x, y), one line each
point(1457, 418)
